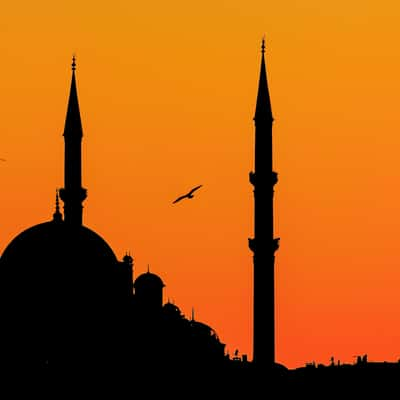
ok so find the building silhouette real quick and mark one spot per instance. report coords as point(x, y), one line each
point(70, 307)
point(68, 303)
point(264, 244)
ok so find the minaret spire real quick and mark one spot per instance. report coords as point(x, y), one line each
point(57, 216)
point(263, 104)
point(264, 244)
point(73, 194)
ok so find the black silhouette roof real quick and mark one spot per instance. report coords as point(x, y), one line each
point(56, 259)
point(148, 278)
point(47, 237)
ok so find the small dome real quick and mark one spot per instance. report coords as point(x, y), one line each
point(149, 279)
point(171, 309)
point(203, 329)
point(128, 259)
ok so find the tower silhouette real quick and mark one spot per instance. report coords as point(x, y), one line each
point(263, 245)
point(73, 194)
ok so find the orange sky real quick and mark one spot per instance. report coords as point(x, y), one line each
point(167, 93)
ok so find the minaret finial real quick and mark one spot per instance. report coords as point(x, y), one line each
point(263, 104)
point(73, 62)
point(57, 216)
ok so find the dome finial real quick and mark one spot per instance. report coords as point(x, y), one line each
point(148, 268)
point(73, 62)
point(57, 216)
point(263, 45)
point(57, 201)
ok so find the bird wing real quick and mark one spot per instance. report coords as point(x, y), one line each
point(195, 188)
point(179, 199)
point(187, 194)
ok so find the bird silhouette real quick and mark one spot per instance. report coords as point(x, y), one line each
point(2, 159)
point(188, 195)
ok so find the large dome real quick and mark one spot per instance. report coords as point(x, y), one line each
point(59, 289)
point(53, 255)
point(48, 238)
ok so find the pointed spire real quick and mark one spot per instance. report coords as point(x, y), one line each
point(192, 313)
point(73, 194)
point(73, 125)
point(57, 216)
point(263, 105)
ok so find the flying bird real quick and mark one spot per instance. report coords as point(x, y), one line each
point(188, 195)
point(2, 159)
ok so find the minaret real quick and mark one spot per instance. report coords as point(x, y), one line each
point(264, 244)
point(73, 194)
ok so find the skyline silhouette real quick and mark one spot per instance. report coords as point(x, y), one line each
point(116, 324)
point(151, 106)
point(67, 304)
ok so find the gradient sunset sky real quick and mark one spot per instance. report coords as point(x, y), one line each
point(167, 94)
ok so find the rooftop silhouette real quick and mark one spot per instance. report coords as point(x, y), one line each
point(67, 303)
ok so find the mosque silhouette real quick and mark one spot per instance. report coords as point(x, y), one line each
point(68, 304)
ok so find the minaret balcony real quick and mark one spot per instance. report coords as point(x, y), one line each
point(275, 244)
point(274, 178)
point(67, 194)
point(252, 178)
point(252, 244)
